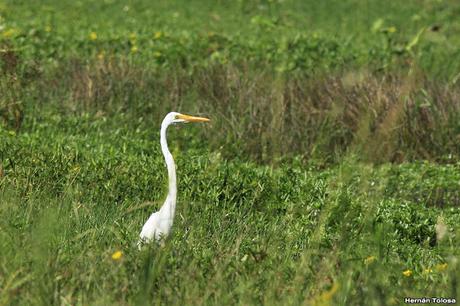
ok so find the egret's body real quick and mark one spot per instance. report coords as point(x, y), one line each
point(159, 223)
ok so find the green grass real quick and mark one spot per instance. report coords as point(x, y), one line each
point(329, 174)
point(287, 36)
point(76, 190)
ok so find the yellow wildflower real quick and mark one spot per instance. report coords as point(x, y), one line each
point(391, 29)
point(427, 271)
point(369, 260)
point(101, 55)
point(329, 294)
point(158, 35)
point(326, 297)
point(407, 273)
point(48, 28)
point(134, 49)
point(441, 267)
point(157, 54)
point(132, 36)
point(10, 33)
point(93, 36)
point(117, 255)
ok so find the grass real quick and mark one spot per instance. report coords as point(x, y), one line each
point(328, 175)
point(243, 233)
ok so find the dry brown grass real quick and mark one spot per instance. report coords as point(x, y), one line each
point(265, 116)
point(11, 110)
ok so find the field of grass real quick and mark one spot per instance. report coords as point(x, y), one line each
point(329, 174)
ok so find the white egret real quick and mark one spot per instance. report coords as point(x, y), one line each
point(159, 223)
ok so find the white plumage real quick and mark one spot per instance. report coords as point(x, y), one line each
point(159, 224)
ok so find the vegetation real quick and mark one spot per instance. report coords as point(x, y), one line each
point(329, 175)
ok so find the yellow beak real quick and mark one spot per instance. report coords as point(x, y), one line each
point(192, 119)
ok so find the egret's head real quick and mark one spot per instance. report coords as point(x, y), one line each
point(174, 117)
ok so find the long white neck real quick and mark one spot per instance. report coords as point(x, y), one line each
point(170, 204)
